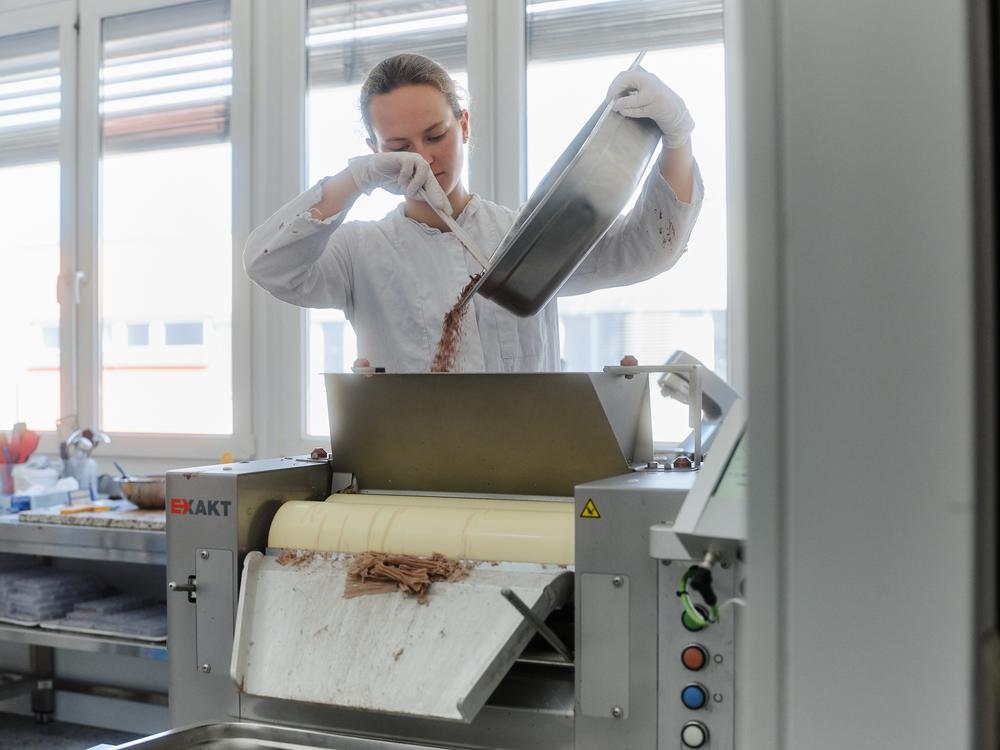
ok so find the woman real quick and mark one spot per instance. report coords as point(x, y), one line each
point(397, 277)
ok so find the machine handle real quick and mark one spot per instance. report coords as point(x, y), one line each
point(191, 588)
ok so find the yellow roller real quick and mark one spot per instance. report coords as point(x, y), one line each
point(467, 529)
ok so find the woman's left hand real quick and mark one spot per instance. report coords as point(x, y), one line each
point(650, 97)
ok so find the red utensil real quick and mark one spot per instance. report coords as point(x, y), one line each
point(25, 446)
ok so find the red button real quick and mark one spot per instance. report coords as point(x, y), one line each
point(694, 658)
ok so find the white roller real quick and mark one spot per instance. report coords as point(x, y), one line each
point(462, 503)
point(466, 529)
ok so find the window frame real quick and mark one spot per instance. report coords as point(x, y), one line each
point(278, 149)
point(18, 18)
point(88, 326)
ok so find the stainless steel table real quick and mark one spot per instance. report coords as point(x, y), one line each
point(81, 543)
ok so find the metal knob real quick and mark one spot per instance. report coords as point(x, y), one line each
point(189, 587)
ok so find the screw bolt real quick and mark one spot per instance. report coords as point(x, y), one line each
point(717, 697)
point(204, 554)
point(206, 668)
point(616, 712)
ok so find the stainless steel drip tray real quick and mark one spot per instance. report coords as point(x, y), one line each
point(250, 736)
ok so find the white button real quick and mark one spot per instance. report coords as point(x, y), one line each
point(693, 735)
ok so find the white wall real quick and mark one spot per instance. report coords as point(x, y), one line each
point(857, 172)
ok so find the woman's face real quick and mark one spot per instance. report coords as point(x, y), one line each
point(419, 119)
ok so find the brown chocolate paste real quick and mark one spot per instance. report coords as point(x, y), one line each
point(451, 333)
point(382, 572)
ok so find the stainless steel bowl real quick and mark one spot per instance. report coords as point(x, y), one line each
point(147, 492)
point(570, 210)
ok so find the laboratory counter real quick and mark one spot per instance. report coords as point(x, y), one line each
point(141, 543)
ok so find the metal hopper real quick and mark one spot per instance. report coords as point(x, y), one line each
point(506, 434)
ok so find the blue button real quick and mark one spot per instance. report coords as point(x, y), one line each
point(694, 697)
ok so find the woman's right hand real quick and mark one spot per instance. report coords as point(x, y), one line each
point(399, 172)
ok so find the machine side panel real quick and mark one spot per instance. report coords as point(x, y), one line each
point(196, 696)
point(604, 616)
point(214, 613)
point(222, 509)
point(614, 541)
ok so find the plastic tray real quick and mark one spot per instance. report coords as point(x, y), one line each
point(62, 626)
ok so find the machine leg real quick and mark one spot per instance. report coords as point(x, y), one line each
point(43, 696)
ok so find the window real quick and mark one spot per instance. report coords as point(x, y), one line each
point(165, 237)
point(138, 334)
point(333, 346)
point(184, 334)
point(50, 337)
point(30, 119)
point(345, 39)
point(574, 51)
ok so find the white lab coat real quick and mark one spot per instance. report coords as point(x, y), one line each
point(396, 278)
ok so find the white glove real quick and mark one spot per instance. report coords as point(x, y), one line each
point(399, 172)
point(650, 97)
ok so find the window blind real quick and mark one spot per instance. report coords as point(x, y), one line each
point(30, 97)
point(166, 76)
point(346, 39)
point(569, 29)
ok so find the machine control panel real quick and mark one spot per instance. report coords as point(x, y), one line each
point(697, 665)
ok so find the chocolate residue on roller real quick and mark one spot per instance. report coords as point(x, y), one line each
point(295, 558)
point(383, 572)
point(451, 334)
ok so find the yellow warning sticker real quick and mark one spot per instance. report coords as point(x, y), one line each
point(590, 510)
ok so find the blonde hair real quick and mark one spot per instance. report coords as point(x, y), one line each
point(406, 69)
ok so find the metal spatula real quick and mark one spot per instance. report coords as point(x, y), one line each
point(459, 233)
